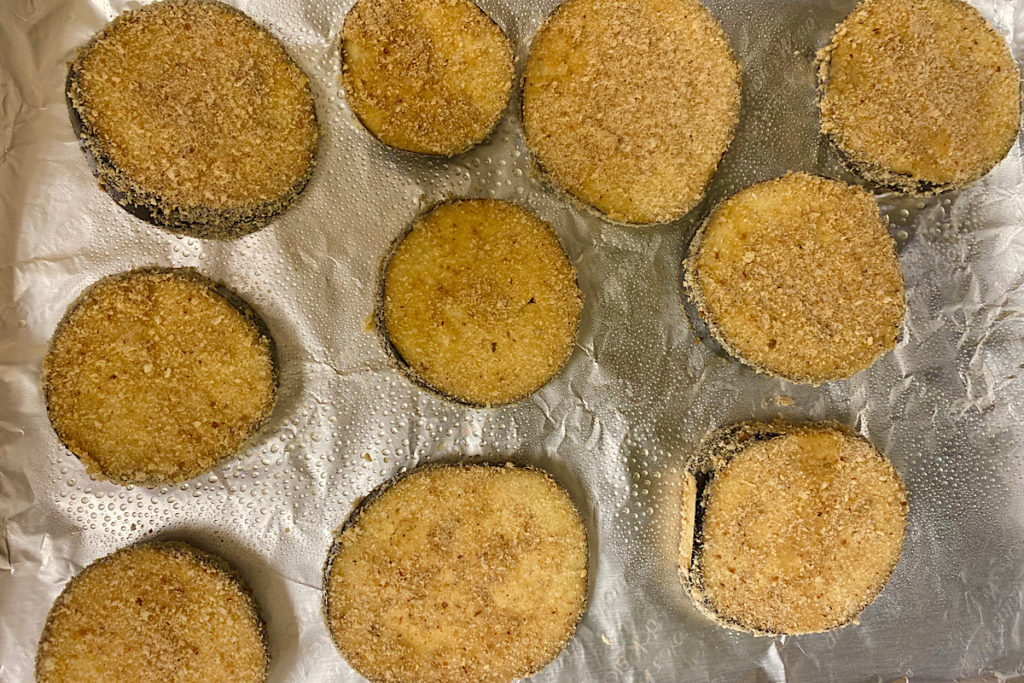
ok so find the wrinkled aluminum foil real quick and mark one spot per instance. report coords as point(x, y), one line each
point(616, 427)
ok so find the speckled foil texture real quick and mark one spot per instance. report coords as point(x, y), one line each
point(639, 392)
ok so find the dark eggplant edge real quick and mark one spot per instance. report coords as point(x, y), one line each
point(235, 301)
point(215, 224)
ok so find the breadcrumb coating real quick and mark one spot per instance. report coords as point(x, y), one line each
point(428, 76)
point(480, 302)
point(458, 573)
point(156, 612)
point(798, 277)
point(195, 117)
point(154, 376)
point(630, 104)
point(800, 528)
point(919, 95)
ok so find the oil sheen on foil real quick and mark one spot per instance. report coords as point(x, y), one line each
point(639, 392)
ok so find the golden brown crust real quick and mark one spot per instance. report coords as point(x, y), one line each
point(629, 105)
point(194, 117)
point(154, 611)
point(156, 375)
point(921, 96)
point(458, 572)
point(427, 76)
point(797, 528)
point(798, 277)
point(479, 302)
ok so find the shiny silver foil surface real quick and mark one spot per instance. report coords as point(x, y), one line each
point(616, 427)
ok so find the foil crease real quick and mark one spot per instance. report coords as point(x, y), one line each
point(947, 406)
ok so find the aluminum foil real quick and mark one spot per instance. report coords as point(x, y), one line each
point(616, 426)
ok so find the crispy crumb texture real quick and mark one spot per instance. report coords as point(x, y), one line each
point(458, 573)
point(154, 611)
point(630, 104)
point(428, 76)
point(921, 96)
point(798, 277)
point(154, 376)
point(479, 302)
point(194, 117)
point(798, 528)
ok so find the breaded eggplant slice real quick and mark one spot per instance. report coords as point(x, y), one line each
point(155, 612)
point(789, 529)
point(629, 105)
point(798, 277)
point(427, 76)
point(920, 96)
point(479, 302)
point(156, 375)
point(458, 573)
point(194, 118)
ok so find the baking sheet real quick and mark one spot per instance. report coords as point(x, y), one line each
point(636, 397)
